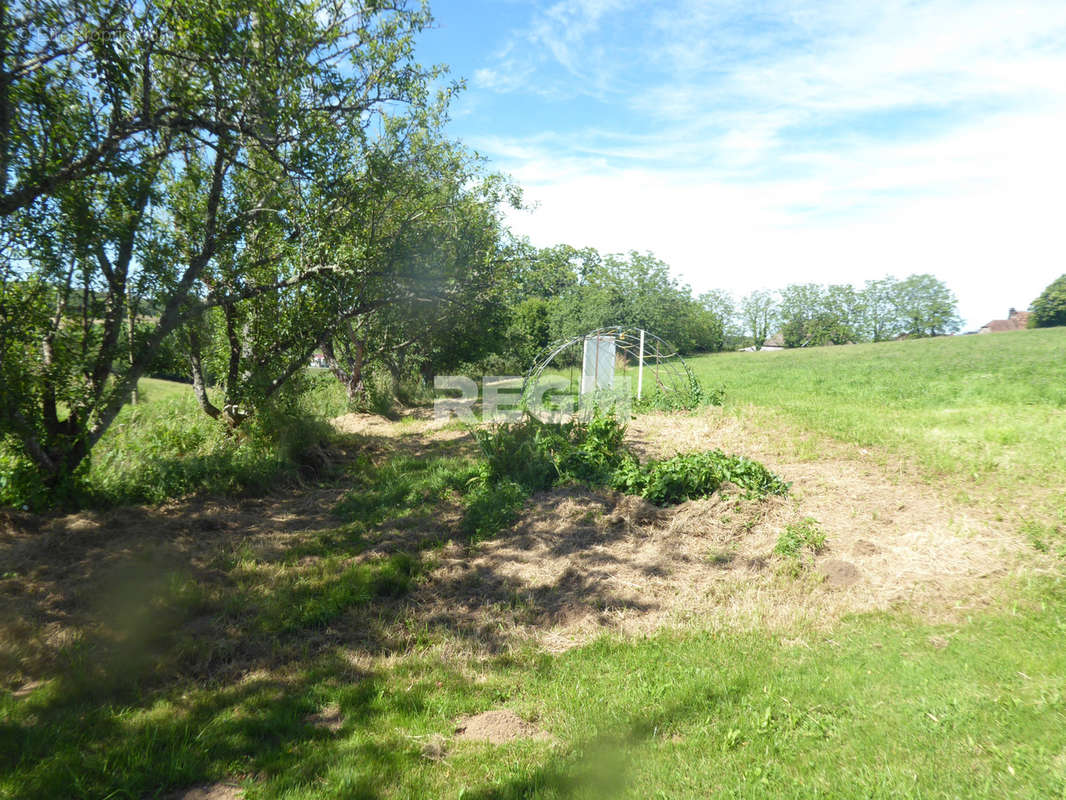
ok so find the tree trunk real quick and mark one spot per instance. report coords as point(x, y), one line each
point(350, 373)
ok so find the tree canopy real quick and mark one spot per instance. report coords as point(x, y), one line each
point(1049, 309)
point(253, 170)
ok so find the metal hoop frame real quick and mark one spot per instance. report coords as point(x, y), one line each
point(669, 372)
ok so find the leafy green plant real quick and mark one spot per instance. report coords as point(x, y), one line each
point(538, 455)
point(519, 452)
point(692, 475)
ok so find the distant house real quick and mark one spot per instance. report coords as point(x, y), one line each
point(775, 342)
point(1015, 321)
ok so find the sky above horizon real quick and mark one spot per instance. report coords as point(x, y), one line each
point(755, 144)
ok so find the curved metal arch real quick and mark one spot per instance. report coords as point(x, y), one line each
point(656, 351)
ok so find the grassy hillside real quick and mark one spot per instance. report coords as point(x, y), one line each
point(166, 447)
point(263, 643)
point(985, 412)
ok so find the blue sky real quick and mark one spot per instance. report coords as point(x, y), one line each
point(755, 144)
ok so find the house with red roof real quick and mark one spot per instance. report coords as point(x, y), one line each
point(1015, 321)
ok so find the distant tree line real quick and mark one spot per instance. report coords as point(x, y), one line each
point(811, 314)
point(563, 291)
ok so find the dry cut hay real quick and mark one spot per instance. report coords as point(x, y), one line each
point(580, 562)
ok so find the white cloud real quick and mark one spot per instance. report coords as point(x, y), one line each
point(763, 159)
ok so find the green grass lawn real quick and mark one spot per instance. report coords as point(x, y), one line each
point(987, 413)
point(154, 390)
point(879, 706)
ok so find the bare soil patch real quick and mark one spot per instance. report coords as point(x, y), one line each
point(213, 791)
point(496, 727)
point(891, 538)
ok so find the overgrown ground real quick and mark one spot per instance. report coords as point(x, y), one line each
point(892, 628)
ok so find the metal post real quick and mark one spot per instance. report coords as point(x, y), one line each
point(640, 369)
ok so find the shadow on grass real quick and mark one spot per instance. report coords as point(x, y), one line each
point(148, 649)
point(259, 728)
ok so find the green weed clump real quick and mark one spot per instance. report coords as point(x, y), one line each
point(166, 447)
point(490, 507)
point(169, 448)
point(800, 537)
point(692, 396)
point(405, 485)
point(692, 475)
point(538, 455)
point(313, 597)
point(409, 486)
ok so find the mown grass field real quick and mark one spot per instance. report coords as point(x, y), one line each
point(233, 646)
point(986, 414)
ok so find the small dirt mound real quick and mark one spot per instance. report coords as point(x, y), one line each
point(864, 547)
point(634, 511)
point(497, 727)
point(329, 718)
point(213, 791)
point(839, 574)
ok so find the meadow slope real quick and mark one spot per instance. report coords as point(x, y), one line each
point(345, 636)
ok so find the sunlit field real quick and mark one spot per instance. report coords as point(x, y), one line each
point(263, 645)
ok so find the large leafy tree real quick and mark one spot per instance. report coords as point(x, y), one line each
point(723, 308)
point(1050, 308)
point(634, 289)
point(445, 271)
point(812, 314)
point(799, 310)
point(759, 313)
point(925, 306)
point(880, 314)
point(195, 153)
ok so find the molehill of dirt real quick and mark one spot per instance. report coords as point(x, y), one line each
point(496, 727)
